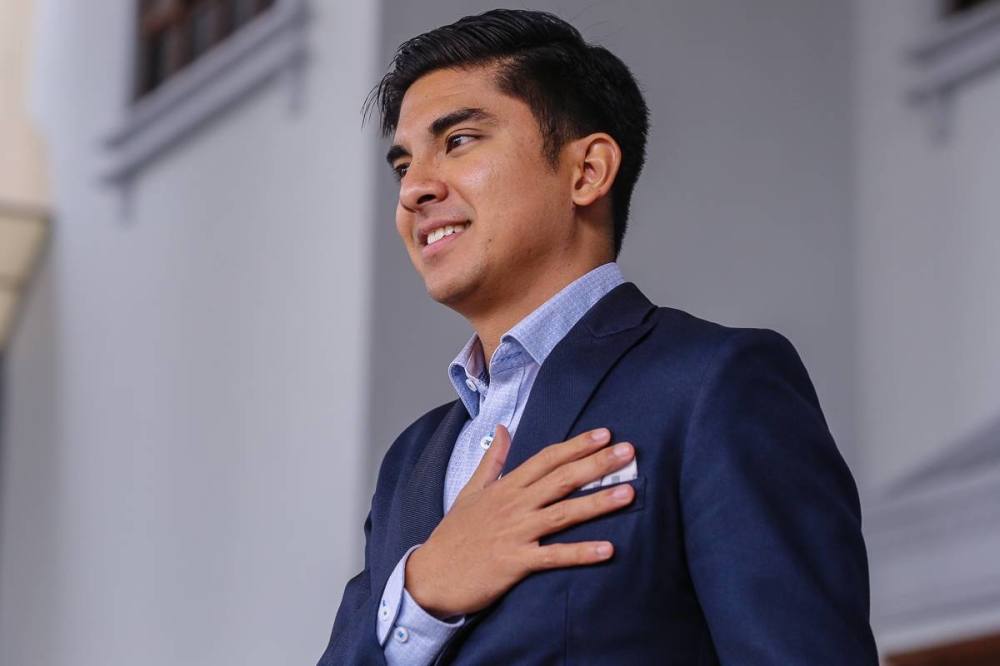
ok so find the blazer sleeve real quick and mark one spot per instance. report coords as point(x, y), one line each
point(353, 640)
point(772, 522)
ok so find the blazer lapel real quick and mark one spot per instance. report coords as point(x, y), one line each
point(571, 373)
point(565, 382)
point(423, 497)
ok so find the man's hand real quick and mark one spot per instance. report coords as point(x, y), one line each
point(488, 542)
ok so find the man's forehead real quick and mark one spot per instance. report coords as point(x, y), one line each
point(445, 91)
point(453, 81)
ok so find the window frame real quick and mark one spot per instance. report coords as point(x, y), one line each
point(269, 46)
point(168, 24)
point(959, 47)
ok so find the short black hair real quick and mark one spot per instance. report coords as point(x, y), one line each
point(573, 88)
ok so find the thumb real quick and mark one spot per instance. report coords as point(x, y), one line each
point(491, 465)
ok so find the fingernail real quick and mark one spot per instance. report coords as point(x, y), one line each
point(621, 492)
point(623, 450)
point(600, 435)
point(603, 550)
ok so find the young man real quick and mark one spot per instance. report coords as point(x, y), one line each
point(672, 494)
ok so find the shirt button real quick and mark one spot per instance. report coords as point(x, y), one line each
point(383, 612)
point(471, 384)
point(401, 634)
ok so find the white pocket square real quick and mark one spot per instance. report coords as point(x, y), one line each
point(626, 473)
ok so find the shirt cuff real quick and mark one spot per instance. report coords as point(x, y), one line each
point(409, 634)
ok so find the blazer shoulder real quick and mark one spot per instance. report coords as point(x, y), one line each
point(684, 346)
point(710, 355)
point(687, 327)
point(703, 340)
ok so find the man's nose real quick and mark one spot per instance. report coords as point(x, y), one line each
point(421, 187)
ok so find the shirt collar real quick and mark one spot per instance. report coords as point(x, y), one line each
point(537, 334)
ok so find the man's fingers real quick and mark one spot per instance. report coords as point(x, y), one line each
point(575, 474)
point(556, 455)
point(570, 512)
point(492, 462)
point(559, 555)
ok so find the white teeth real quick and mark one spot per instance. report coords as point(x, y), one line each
point(441, 232)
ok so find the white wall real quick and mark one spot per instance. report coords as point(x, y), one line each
point(929, 239)
point(187, 390)
point(929, 378)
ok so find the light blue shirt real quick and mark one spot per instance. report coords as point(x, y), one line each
point(498, 395)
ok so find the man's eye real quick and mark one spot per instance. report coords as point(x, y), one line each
point(459, 140)
point(400, 170)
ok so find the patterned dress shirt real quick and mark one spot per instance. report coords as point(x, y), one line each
point(493, 395)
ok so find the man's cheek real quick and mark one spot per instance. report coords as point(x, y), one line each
point(404, 227)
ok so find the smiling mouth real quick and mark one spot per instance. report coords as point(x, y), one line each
point(444, 232)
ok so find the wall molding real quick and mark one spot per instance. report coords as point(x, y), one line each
point(934, 538)
point(272, 44)
point(953, 53)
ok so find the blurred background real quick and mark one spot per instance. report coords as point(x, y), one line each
point(211, 333)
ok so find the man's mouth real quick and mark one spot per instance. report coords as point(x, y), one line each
point(445, 231)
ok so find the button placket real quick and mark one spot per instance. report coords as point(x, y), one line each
point(383, 611)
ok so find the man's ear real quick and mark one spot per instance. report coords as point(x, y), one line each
point(597, 159)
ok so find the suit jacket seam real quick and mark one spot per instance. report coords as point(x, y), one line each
point(699, 396)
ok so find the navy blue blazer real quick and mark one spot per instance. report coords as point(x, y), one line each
point(743, 544)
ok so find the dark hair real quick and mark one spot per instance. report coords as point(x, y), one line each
point(573, 88)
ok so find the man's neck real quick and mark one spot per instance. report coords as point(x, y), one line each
point(490, 332)
point(493, 323)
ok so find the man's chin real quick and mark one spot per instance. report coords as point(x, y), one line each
point(443, 294)
point(449, 292)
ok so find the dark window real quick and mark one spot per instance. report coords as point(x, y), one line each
point(173, 33)
point(952, 7)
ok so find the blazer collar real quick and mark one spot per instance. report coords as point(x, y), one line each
point(576, 367)
point(564, 384)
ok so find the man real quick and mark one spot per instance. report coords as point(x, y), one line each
point(617, 483)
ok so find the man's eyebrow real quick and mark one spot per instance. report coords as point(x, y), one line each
point(395, 153)
point(441, 125)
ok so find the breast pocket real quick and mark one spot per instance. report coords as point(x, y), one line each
point(607, 526)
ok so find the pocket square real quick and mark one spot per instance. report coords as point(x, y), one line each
point(626, 473)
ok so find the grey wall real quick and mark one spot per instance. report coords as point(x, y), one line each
point(929, 380)
point(186, 409)
point(744, 212)
point(198, 395)
point(928, 268)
